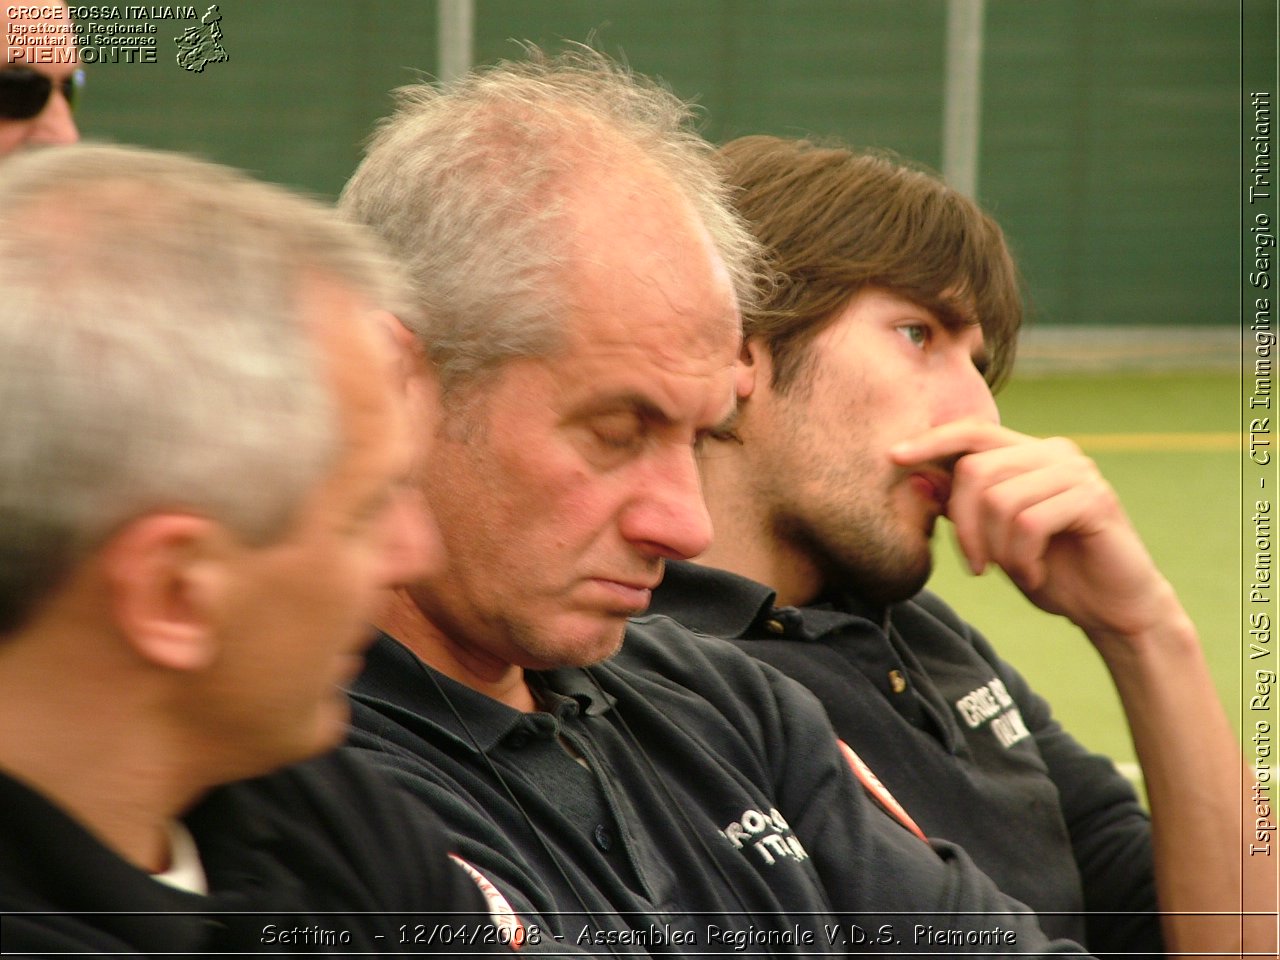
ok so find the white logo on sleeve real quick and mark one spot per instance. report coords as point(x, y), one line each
point(768, 834)
point(991, 703)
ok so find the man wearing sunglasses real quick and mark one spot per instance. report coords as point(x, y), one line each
point(39, 77)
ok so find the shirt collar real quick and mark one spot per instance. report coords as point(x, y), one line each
point(396, 675)
point(577, 683)
point(727, 605)
point(847, 603)
point(711, 601)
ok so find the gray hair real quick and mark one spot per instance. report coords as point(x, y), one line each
point(152, 354)
point(466, 182)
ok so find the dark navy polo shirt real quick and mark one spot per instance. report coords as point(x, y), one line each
point(963, 743)
point(679, 789)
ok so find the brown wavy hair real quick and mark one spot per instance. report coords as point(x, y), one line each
point(835, 220)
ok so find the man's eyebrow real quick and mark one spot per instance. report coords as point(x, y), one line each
point(955, 316)
point(630, 402)
point(952, 314)
point(727, 428)
point(377, 499)
point(728, 422)
point(650, 411)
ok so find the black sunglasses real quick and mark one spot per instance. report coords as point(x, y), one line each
point(25, 91)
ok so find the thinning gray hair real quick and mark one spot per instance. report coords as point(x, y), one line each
point(152, 352)
point(467, 183)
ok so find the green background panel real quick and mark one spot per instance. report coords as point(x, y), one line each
point(1109, 139)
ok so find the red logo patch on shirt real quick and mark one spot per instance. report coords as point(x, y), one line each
point(500, 910)
point(879, 792)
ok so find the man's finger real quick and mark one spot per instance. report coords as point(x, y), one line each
point(955, 439)
point(990, 489)
point(1027, 537)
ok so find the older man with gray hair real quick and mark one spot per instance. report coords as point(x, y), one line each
point(202, 449)
point(626, 785)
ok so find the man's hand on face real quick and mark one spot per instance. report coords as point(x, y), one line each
point(1040, 510)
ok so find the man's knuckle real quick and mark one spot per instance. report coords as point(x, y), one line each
point(1066, 446)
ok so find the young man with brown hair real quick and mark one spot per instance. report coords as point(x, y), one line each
point(865, 414)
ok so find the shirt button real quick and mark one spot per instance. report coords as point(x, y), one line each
point(897, 682)
point(775, 626)
point(603, 840)
point(518, 740)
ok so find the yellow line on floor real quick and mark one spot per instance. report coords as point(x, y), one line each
point(1160, 442)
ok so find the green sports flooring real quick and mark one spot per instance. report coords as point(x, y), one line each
point(1170, 445)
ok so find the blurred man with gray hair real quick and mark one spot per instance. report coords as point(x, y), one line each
point(202, 449)
point(628, 785)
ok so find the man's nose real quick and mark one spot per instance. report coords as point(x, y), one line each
point(55, 124)
point(668, 516)
point(965, 395)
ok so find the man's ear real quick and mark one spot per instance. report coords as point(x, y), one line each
point(167, 578)
point(416, 377)
point(406, 355)
point(754, 367)
point(415, 374)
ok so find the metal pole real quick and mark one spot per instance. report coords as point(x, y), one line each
point(962, 94)
point(457, 21)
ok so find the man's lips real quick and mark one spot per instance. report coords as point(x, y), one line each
point(632, 596)
point(934, 485)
